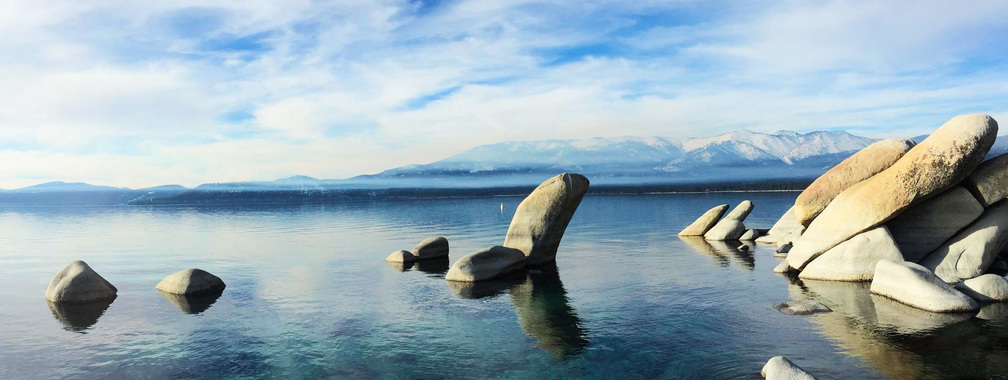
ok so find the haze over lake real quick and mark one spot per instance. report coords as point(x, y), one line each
point(309, 295)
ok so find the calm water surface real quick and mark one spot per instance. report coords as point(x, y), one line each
point(309, 295)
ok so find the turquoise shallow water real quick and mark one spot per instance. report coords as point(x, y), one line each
point(309, 295)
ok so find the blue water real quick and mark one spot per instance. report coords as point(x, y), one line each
point(309, 295)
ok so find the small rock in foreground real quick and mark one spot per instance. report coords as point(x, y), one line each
point(804, 307)
point(780, 368)
point(190, 282)
point(434, 247)
point(78, 283)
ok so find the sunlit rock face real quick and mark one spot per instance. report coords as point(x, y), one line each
point(785, 230)
point(780, 368)
point(191, 282)
point(434, 247)
point(731, 227)
point(854, 259)
point(916, 286)
point(78, 283)
point(541, 219)
point(704, 222)
point(486, 264)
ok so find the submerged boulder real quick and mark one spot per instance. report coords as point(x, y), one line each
point(989, 182)
point(401, 256)
point(934, 165)
point(731, 227)
point(434, 247)
point(541, 219)
point(925, 226)
point(854, 259)
point(803, 307)
point(780, 368)
point(190, 282)
point(972, 250)
point(916, 286)
point(986, 288)
point(487, 264)
point(704, 222)
point(858, 167)
point(78, 283)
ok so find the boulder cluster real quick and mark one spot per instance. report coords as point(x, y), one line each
point(924, 222)
point(712, 226)
point(432, 248)
point(533, 236)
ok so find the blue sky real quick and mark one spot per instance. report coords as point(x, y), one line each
point(148, 93)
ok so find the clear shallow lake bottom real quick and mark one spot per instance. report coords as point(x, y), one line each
point(309, 296)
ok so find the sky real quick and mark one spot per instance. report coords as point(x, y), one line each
point(146, 93)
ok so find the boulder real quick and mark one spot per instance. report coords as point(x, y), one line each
point(487, 264)
point(986, 288)
point(78, 283)
point(803, 307)
point(401, 256)
point(434, 247)
point(731, 227)
point(972, 250)
point(704, 222)
point(934, 165)
point(854, 259)
point(541, 219)
point(786, 229)
point(784, 248)
point(916, 286)
point(749, 235)
point(783, 267)
point(191, 282)
point(989, 181)
point(858, 167)
point(925, 226)
point(780, 368)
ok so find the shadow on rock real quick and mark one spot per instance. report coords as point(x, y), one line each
point(544, 312)
point(78, 317)
point(192, 304)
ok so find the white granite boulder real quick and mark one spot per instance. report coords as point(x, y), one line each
point(925, 226)
point(936, 164)
point(704, 222)
point(434, 247)
point(749, 235)
point(401, 256)
point(785, 230)
point(972, 250)
point(916, 286)
point(731, 227)
point(854, 259)
point(78, 283)
point(541, 219)
point(190, 282)
point(780, 368)
point(989, 182)
point(487, 264)
point(986, 288)
point(783, 267)
point(858, 167)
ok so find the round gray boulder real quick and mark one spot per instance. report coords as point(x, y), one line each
point(401, 256)
point(190, 282)
point(780, 368)
point(78, 283)
point(434, 247)
point(486, 264)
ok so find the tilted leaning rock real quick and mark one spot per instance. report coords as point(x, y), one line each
point(972, 250)
point(704, 222)
point(934, 165)
point(854, 259)
point(916, 286)
point(434, 247)
point(191, 281)
point(541, 219)
point(989, 182)
point(925, 226)
point(78, 283)
point(486, 264)
point(731, 227)
point(860, 166)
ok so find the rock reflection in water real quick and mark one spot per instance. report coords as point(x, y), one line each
point(482, 289)
point(78, 317)
point(905, 342)
point(193, 304)
point(723, 252)
point(402, 267)
point(434, 266)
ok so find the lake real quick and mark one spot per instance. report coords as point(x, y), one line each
point(309, 295)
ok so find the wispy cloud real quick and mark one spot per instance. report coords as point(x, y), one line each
point(147, 93)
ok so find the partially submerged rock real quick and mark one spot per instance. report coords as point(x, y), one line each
point(783, 267)
point(989, 182)
point(749, 235)
point(487, 264)
point(934, 165)
point(704, 222)
point(434, 247)
point(972, 250)
point(854, 259)
point(780, 368)
point(803, 307)
point(731, 227)
point(401, 256)
point(191, 282)
point(541, 219)
point(78, 283)
point(925, 226)
point(916, 286)
point(986, 288)
point(858, 167)
point(784, 248)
